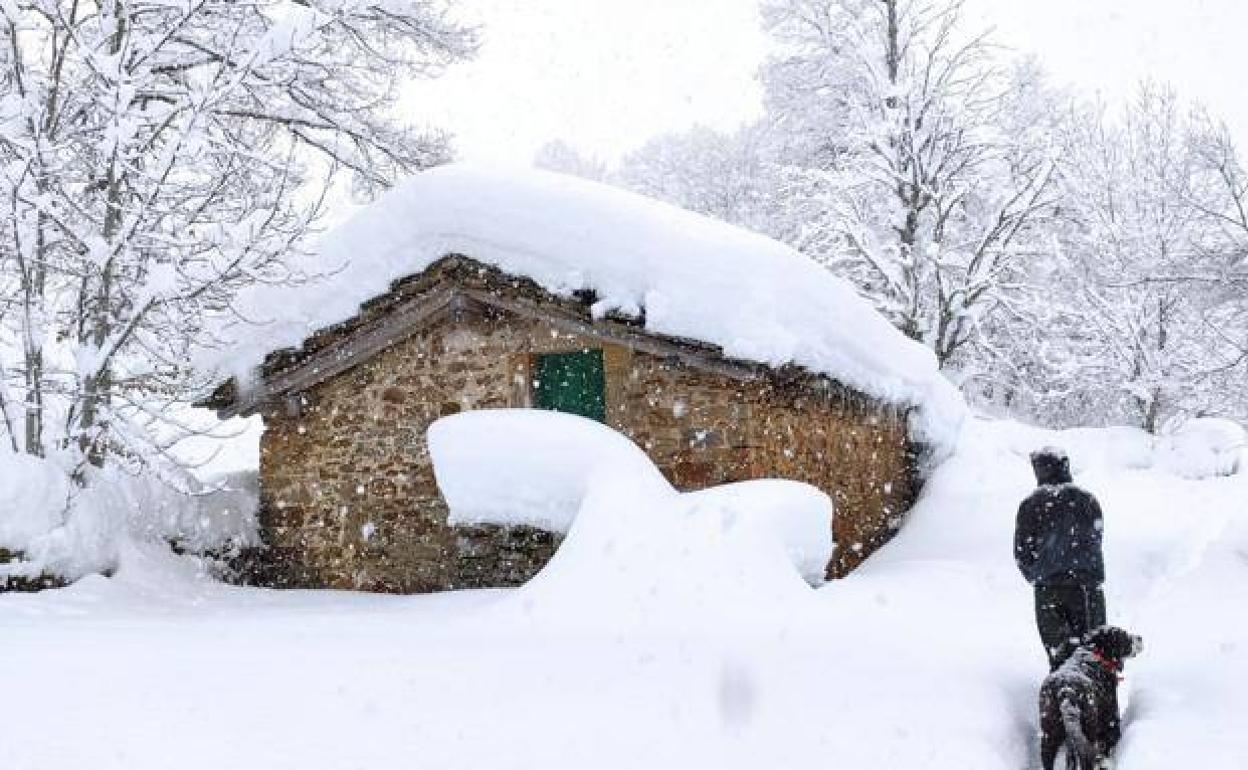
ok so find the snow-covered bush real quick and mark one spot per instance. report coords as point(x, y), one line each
point(1201, 447)
point(68, 530)
point(34, 499)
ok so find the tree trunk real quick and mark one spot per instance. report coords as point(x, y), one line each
point(34, 281)
point(1152, 413)
point(96, 384)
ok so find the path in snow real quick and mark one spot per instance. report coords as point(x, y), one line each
point(1176, 559)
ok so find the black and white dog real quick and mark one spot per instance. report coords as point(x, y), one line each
point(1079, 700)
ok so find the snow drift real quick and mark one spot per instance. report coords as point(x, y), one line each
point(634, 545)
point(1201, 447)
point(521, 466)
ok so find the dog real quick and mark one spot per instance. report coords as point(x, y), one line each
point(1079, 700)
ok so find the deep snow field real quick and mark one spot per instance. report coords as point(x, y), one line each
point(646, 647)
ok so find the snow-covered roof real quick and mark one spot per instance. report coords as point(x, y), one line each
point(695, 277)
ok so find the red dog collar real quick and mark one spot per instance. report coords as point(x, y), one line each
point(1112, 666)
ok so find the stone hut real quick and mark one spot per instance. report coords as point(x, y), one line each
point(347, 490)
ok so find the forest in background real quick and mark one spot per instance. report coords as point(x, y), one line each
point(1069, 262)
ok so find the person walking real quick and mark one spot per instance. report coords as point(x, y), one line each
point(1057, 546)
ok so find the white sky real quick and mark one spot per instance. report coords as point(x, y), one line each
point(605, 75)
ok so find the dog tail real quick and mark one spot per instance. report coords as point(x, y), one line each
point(1072, 719)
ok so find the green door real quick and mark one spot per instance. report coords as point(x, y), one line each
point(572, 383)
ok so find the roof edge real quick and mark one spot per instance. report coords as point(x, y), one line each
point(457, 283)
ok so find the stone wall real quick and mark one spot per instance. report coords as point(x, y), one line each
point(348, 497)
point(702, 429)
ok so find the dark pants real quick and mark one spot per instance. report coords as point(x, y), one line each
point(1064, 613)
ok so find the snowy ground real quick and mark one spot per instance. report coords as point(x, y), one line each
point(926, 657)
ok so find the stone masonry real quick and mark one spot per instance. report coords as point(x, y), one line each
point(348, 497)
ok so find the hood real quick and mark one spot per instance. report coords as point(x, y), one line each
point(1051, 465)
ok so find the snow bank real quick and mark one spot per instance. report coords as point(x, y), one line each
point(643, 556)
point(634, 544)
point(1196, 448)
point(692, 276)
point(1185, 698)
point(1201, 448)
point(795, 516)
point(1089, 449)
point(520, 466)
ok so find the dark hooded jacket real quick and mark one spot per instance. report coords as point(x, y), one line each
point(1057, 536)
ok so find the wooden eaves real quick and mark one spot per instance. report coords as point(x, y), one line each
point(452, 287)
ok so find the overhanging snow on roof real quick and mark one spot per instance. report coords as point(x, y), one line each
point(697, 278)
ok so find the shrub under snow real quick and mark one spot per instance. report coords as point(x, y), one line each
point(67, 530)
point(34, 500)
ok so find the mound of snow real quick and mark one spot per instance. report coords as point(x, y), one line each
point(685, 274)
point(1202, 447)
point(642, 555)
point(1089, 449)
point(793, 515)
point(634, 544)
point(522, 466)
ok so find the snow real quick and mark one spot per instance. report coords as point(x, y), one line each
point(33, 496)
point(643, 557)
point(520, 466)
point(70, 531)
point(616, 657)
point(625, 523)
point(1202, 447)
point(692, 277)
point(790, 515)
point(1051, 451)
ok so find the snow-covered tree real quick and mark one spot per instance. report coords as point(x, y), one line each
point(726, 175)
point(558, 155)
point(1138, 317)
point(157, 156)
point(1220, 195)
point(906, 166)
